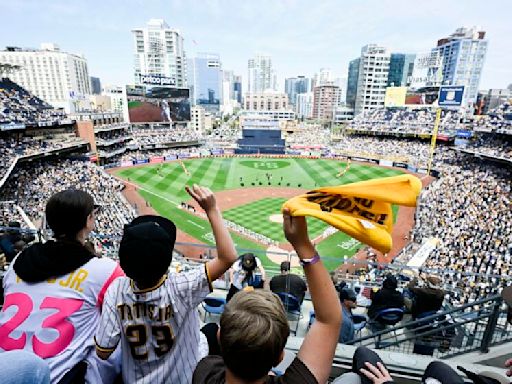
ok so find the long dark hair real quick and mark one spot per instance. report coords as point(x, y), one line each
point(67, 212)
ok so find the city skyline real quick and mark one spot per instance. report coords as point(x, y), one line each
point(300, 38)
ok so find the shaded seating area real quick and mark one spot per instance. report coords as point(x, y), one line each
point(293, 309)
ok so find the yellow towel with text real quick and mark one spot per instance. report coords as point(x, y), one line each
point(362, 210)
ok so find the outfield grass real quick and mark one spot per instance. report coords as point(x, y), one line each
point(165, 189)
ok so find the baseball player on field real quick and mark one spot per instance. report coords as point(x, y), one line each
point(153, 312)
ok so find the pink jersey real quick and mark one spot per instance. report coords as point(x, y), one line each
point(57, 318)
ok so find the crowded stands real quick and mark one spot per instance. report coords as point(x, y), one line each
point(468, 210)
point(403, 121)
point(410, 151)
point(498, 119)
point(20, 106)
point(154, 136)
point(498, 146)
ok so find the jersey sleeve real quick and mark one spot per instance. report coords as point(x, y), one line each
point(108, 333)
point(192, 286)
point(118, 272)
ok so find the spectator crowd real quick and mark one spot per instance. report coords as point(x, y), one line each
point(31, 185)
point(17, 105)
point(402, 121)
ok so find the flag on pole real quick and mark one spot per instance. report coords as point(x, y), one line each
point(361, 210)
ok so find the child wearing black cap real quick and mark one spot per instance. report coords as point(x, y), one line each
point(153, 312)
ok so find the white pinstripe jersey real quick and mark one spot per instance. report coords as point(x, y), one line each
point(56, 318)
point(158, 327)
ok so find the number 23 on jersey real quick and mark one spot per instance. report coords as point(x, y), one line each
point(58, 321)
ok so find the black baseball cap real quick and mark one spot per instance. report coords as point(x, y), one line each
point(348, 294)
point(145, 252)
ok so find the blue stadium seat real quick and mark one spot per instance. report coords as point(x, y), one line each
point(213, 305)
point(292, 307)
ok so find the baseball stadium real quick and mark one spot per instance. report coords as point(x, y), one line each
point(323, 236)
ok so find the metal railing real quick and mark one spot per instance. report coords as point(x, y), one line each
point(471, 327)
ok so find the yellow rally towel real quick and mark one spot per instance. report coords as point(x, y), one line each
point(361, 210)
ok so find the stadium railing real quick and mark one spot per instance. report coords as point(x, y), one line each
point(452, 332)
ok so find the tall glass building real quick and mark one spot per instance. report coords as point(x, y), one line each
point(205, 81)
point(353, 75)
point(294, 86)
point(401, 67)
point(463, 54)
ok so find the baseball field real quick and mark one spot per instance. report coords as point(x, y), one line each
point(250, 192)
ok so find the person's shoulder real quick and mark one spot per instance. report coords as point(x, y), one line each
point(103, 263)
point(297, 372)
point(211, 370)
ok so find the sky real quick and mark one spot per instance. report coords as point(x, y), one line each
point(302, 36)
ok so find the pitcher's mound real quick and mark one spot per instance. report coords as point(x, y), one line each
point(276, 218)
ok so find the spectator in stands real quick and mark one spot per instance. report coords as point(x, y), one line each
point(368, 368)
point(427, 295)
point(348, 299)
point(247, 271)
point(254, 328)
point(289, 283)
point(386, 297)
point(64, 275)
point(145, 254)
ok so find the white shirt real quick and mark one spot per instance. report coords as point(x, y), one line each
point(56, 319)
point(158, 327)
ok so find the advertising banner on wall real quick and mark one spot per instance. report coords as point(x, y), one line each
point(451, 95)
point(386, 163)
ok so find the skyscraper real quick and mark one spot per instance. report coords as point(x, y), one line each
point(304, 105)
point(205, 81)
point(237, 88)
point(353, 76)
point(57, 77)
point(159, 51)
point(294, 86)
point(372, 78)
point(95, 85)
point(463, 54)
point(400, 69)
point(325, 100)
point(261, 75)
point(324, 77)
point(231, 87)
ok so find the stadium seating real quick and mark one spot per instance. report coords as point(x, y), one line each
point(17, 105)
point(418, 121)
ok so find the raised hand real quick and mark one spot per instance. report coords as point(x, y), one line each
point(204, 197)
point(296, 230)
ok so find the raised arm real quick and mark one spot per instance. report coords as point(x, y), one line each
point(226, 253)
point(319, 345)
